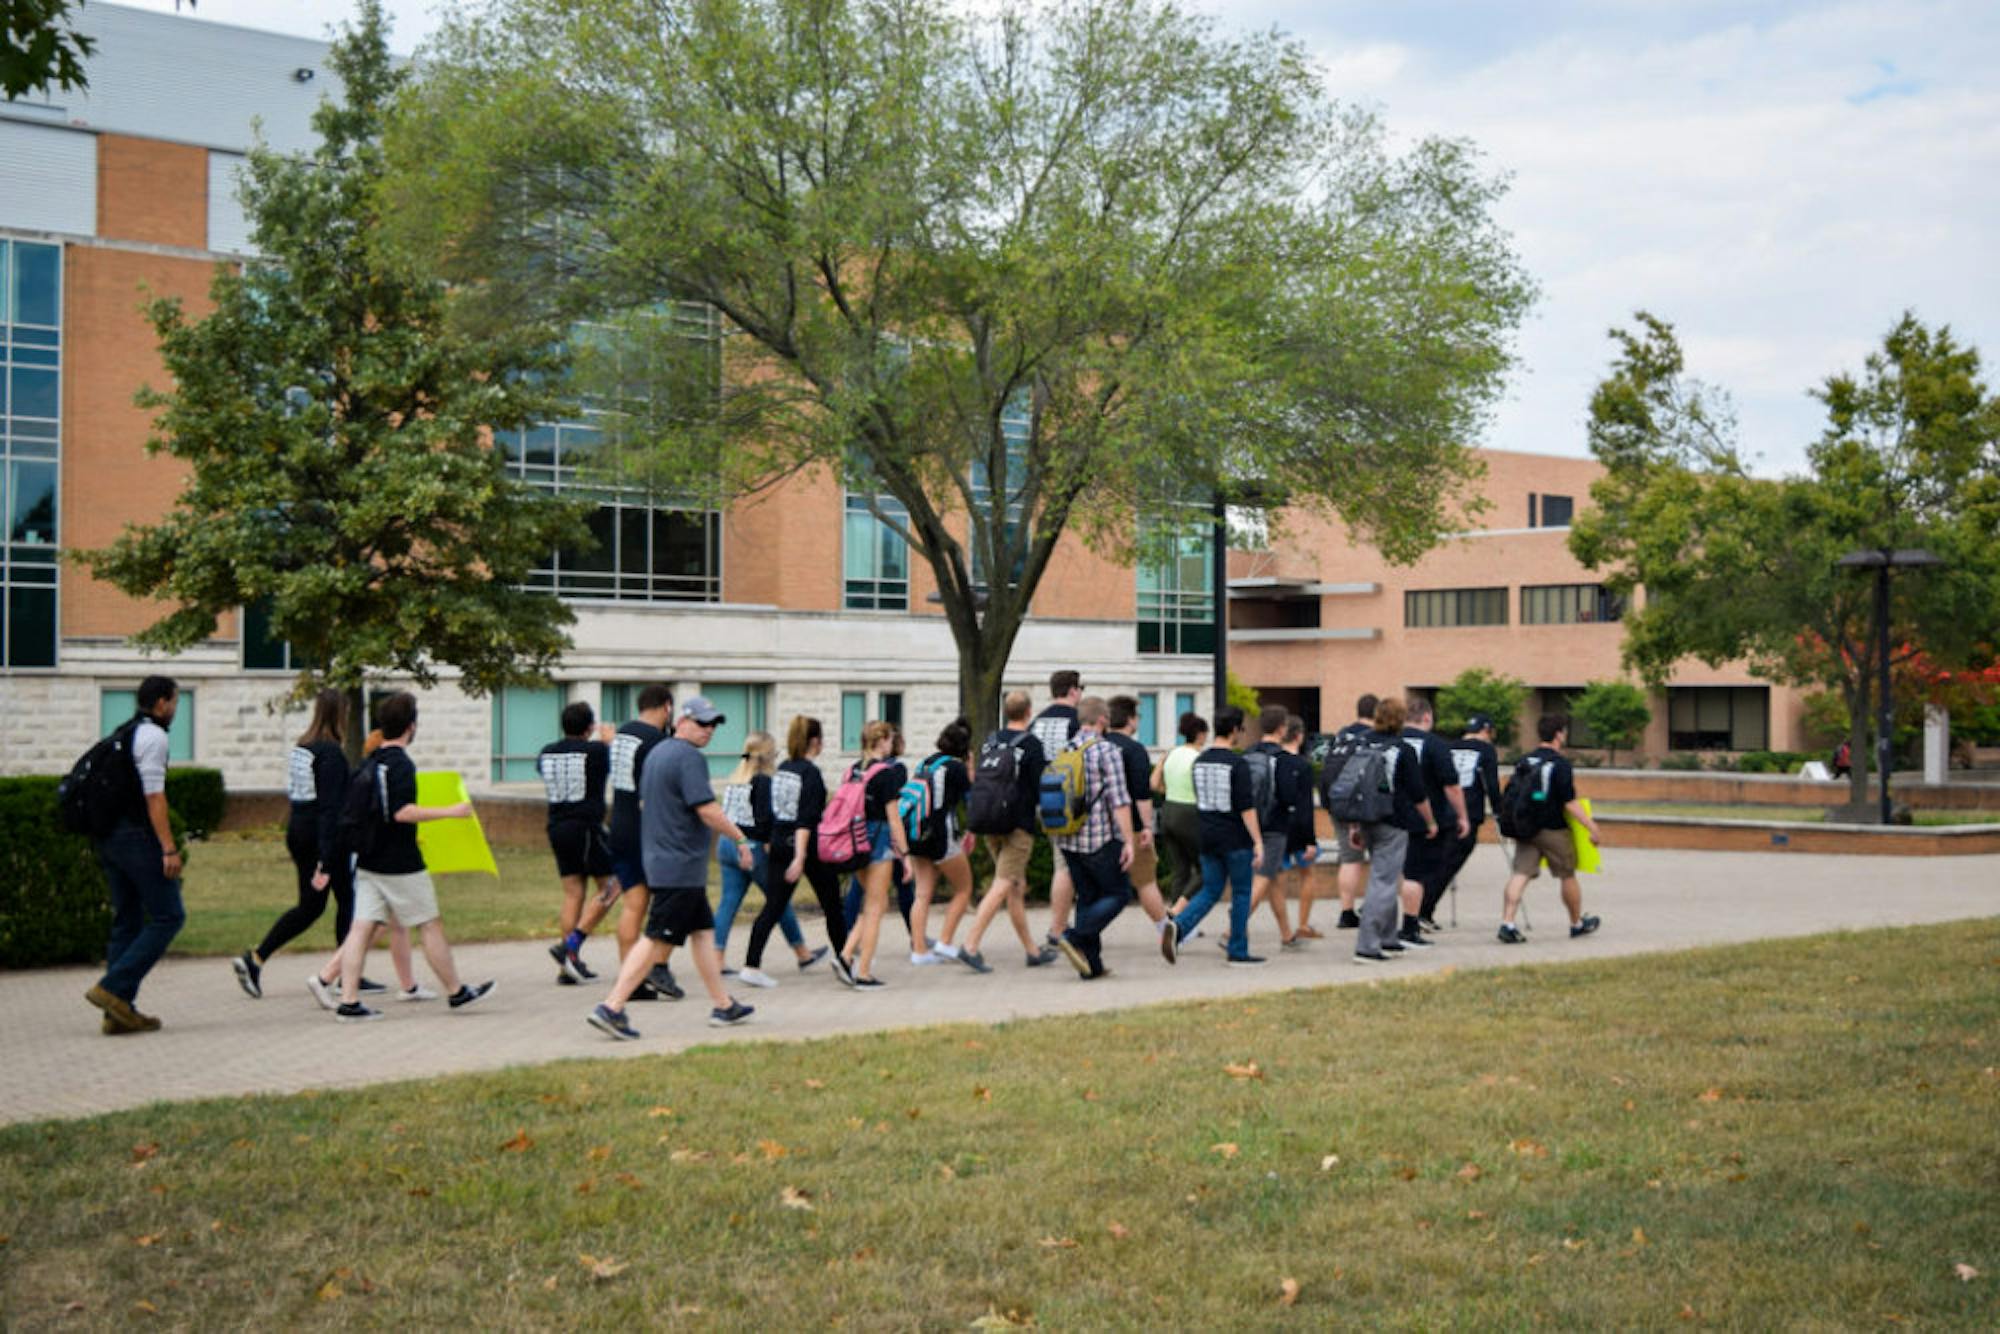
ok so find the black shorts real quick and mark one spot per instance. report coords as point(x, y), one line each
point(673, 914)
point(580, 849)
point(1428, 858)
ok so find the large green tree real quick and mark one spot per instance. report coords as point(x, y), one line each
point(1027, 273)
point(1738, 567)
point(40, 49)
point(334, 427)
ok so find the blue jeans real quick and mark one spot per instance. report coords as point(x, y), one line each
point(1102, 891)
point(736, 883)
point(1233, 869)
point(146, 911)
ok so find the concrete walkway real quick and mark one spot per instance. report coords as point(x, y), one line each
point(218, 1042)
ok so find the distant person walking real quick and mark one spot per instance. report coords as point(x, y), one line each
point(680, 818)
point(939, 851)
point(1548, 785)
point(1350, 856)
point(746, 800)
point(1427, 863)
point(1302, 837)
point(1478, 765)
point(1121, 723)
point(1099, 854)
point(1180, 820)
point(390, 880)
point(798, 798)
point(1280, 793)
point(142, 864)
point(629, 749)
point(1000, 806)
point(1386, 836)
point(1232, 843)
point(881, 779)
point(1056, 728)
point(574, 771)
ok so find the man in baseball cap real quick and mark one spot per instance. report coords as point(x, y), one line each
point(698, 709)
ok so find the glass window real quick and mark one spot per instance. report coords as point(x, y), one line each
point(30, 453)
point(1149, 720)
point(875, 561)
point(742, 709)
point(853, 715)
point(1718, 717)
point(1557, 511)
point(1443, 607)
point(1015, 426)
point(889, 707)
point(116, 707)
point(1177, 597)
point(525, 718)
point(263, 651)
point(1569, 604)
point(1183, 705)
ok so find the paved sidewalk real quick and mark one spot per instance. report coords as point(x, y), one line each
point(217, 1041)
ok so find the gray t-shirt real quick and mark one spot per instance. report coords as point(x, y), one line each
point(673, 842)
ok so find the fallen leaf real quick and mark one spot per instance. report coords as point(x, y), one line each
point(946, 1172)
point(1471, 1172)
point(1248, 1070)
point(629, 1181)
point(794, 1198)
point(815, 1084)
point(1536, 1259)
point(421, 1192)
point(600, 1152)
point(1226, 1150)
point(1058, 1243)
point(1328, 1163)
point(660, 1110)
point(914, 1113)
point(772, 1150)
point(1638, 1236)
point(690, 1156)
point(1964, 1272)
point(1710, 1095)
point(1406, 1173)
point(1688, 1312)
point(1476, 1215)
point(1288, 1292)
point(587, 1185)
point(1654, 1184)
point(519, 1144)
point(141, 1152)
point(329, 1291)
point(1008, 1319)
point(605, 1268)
point(144, 1307)
point(149, 1239)
point(549, 1283)
point(76, 1306)
point(1631, 1106)
point(1118, 1231)
point(864, 1255)
point(1573, 1244)
point(1090, 1095)
point(1527, 1148)
point(981, 1093)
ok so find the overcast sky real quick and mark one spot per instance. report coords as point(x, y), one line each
point(1778, 179)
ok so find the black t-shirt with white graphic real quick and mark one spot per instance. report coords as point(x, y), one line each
point(396, 851)
point(1440, 775)
point(1478, 766)
point(635, 741)
point(748, 805)
point(1221, 795)
point(573, 774)
point(1056, 728)
point(316, 785)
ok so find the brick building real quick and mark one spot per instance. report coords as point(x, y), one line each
point(795, 602)
point(1315, 621)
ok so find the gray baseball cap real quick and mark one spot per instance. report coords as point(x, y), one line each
point(700, 710)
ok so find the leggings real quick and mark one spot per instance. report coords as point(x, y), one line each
point(302, 841)
point(778, 898)
point(1180, 830)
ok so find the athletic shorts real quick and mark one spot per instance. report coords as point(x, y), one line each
point(1274, 856)
point(1345, 853)
point(1297, 859)
point(1010, 854)
point(1554, 844)
point(628, 870)
point(675, 914)
point(1427, 858)
point(1145, 865)
point(580, 849)
point(411, 899)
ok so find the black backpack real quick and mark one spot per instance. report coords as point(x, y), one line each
point(360, 826)
point(993, 805)
point(101, 786)
point(1520, 813)
point(1355, 786)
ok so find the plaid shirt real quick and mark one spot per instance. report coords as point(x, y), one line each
point(1104, 791)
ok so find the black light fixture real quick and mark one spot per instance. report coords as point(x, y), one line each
point(303, 74)
point(1882, 560)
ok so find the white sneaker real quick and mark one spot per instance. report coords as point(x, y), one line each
point(418, 992)
point(326, 993)
point(756, 977)
point(944, 951)
point(925, 960)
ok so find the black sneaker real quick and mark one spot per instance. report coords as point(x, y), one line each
point(369, 985)
point(735, 1013)
point(1042, 957)
point(1429, 924)
point(354, 1012)
point(1413, 937)
point(662, 978)
point(812, 958)
point(612, 1023)
point(1350, 920)
point(1511, 934)
point(974, 960)
point(561, 956)
point(248, 975)
point(841, 969)
point(1170, 941)
point(575, 967)
point(1370, 956)
point(643, 992)
point(465, 995)
point(870, 984)
point(1247, 961)
point(1584, 927)
point(565, 980)
point(1392, 947)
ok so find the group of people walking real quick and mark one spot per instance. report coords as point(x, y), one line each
point(1236, 817)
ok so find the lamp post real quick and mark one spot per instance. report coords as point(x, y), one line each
point(1882, 560)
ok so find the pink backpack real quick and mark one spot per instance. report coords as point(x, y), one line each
point(843, 829)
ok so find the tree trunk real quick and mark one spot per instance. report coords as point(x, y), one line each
point(984, 648)
point(1858, 750)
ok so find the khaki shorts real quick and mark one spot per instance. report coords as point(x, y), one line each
point(1145, 867)
point(1344, 851)
point(1010, 854)
point(411, 898)
point(1554, 844)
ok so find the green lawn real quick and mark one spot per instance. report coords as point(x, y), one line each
point(1790, 814)
point(237, 884)
point(1797, 1134)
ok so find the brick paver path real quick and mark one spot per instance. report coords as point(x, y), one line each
point(218, 1041)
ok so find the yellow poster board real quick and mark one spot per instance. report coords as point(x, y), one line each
point(451, 845)
point(1588, 860)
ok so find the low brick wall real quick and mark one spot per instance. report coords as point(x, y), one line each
point(1644, 831)
point(1725, 789)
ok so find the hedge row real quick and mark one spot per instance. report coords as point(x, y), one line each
point(54, 907)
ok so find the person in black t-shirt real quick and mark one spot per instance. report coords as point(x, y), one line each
point(574, 771)
point(1553, 806)
point(1478, 766)
point(1010, 851)
point(1232, 842)
point(630, 746)
point(1121, 723)
point(1275, 818)
point(1386, 840)
point(1350, 855)
point(798, 799)
point(942, 851)
point(882, 780)
point(1302, 838)
point(1426, 866)
point(389, 876)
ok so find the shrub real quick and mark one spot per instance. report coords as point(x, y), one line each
point(1773, 761)
point(53, 904)
point(1614, 712)
point(1041, 869)
point(1682, 760)
point(198, 797)
point(1721, 761)
point(1477, 690)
